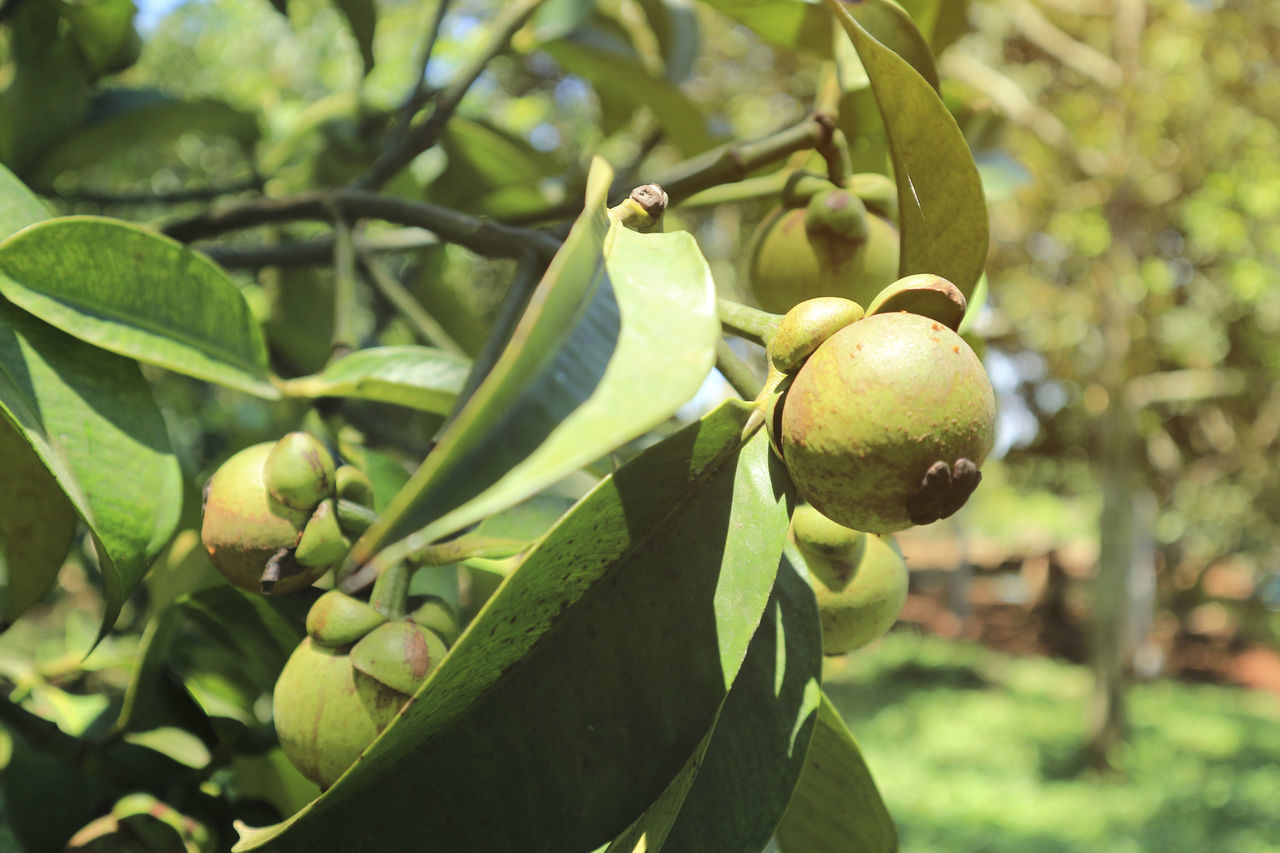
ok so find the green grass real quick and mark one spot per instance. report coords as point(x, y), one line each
point(978, 752)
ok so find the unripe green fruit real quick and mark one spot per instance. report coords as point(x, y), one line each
point(244, 526)
point(886, 423)
point(832, 551)
point(869, 602)
point(299, 472)
point(327, 712)
point(834, 247)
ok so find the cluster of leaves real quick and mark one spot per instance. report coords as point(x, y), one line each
point(649, 671)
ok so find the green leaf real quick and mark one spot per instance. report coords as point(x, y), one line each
point(104, 31)
point(19, 207)
point(36, 525)
point(616, 312)
point(583, 686)
point(836, 807)
point(795, 24)
point(491, 172)
point(139, 294)
point(90, 417)
point(675, 27)
point(889, 24)
point(122, 119)
point(762, 737)
point(411, 376)
point(943, 219)
point(619, 75)
point(747, 769)
point(362, 18)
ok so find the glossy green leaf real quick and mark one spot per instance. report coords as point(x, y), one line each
point(943, 21)
point(762, 737)
point(889, 24)
point(747, 769)
point(91, 419)
point(836, 807)
point(212, 653)
point(412, 376)
point(36, 525)
point(122, 119)
point(139, 294)
point(585, 683)
point(943, 219)
point(675, 26)
point(491, 172)
point(616, 312)
point(19, 207)
point(618, 74)
point(362, 19)
point(796, 24)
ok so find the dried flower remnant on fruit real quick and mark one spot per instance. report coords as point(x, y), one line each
point(943, 491)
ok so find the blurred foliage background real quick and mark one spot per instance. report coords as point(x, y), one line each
point(1132, 330)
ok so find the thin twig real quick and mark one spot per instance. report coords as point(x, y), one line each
point(417, 95)
point(747, 322)
point(736, 371)
point(427, 328)
point(735, 161)
point(479, 235)
point(87, 196)
point(345, 292)
point(423, 135)
point(724, 165)
point(320, 250)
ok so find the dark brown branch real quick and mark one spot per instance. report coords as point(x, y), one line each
point(479, 235)
point(724, 165)
point(103, 199)
point(318, 251)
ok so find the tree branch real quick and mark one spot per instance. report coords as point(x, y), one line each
point(87, 196)
point(479, 235)
point(320, 250)
point(423, 135)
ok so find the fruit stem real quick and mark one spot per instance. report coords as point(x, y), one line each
point(746, 322)
point(390, 594)
point(353, 518)
point(736, 371)
point(835, 151)
point(344, 290)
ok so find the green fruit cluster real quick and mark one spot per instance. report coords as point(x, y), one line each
point(270, 514)
point(859, 580)
point(350, 677)
point(883, 421)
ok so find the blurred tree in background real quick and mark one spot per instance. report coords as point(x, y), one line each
point(1139, 262)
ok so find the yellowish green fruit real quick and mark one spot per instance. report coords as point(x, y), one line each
point(832, 551)
point(887, 423)
point(833, 247)
point(327, 712)
point(870, 601)
point(244, 526)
